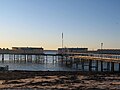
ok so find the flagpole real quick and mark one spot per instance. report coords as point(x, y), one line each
point(62, 40)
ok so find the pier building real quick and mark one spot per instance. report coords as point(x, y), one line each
point(27, 50)
point(72, 50)
point(108, 51)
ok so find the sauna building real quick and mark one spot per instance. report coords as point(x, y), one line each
point(28, 49)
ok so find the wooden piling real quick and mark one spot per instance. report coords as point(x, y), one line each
point(83, 64)
point(66, 60)
point(90, 65)
point(2, 58)
point(76, 65)
point(53, 59)
point(101, 66)
point(46, 59)
point(112, 66)
point(119, 67)
point(14, 58)
point(96, 66)
point(108, 66)
point(25, 58)
point(20, 58)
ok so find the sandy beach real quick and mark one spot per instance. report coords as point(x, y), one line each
point(62, 80)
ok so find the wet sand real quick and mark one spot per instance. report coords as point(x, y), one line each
point(62, 80)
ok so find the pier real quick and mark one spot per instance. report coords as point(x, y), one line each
point(91, 61)
point(96, 61)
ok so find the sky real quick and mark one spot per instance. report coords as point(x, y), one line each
point(40, 23)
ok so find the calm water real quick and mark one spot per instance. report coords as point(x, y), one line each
point(37, 66)
point(47, 66)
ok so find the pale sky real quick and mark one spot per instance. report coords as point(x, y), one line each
point(40, 23)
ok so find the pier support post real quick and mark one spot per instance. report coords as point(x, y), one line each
point(108, 66)
point(71, 61)
point(10, 57)
point(46, 59)
point(119, 67)
point(14, 58)
point(17, 58)
point(101, 66)
point(36, 58)
point(62, 59)
point(25, 58)
point(76, 65)
point(96, 65)
point(29, 58)
point(56, 59)
point(66, 60)
point(53, 60)
point(42, 58)
point(2, 58)
point(90, 65)
point(20, 58)
point(112, 66)
point(39, 60)
point(83, 64)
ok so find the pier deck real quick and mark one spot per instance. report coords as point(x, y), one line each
point(115, 60)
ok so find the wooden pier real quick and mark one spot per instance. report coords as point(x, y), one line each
point(94, 62)
point(110, 61)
